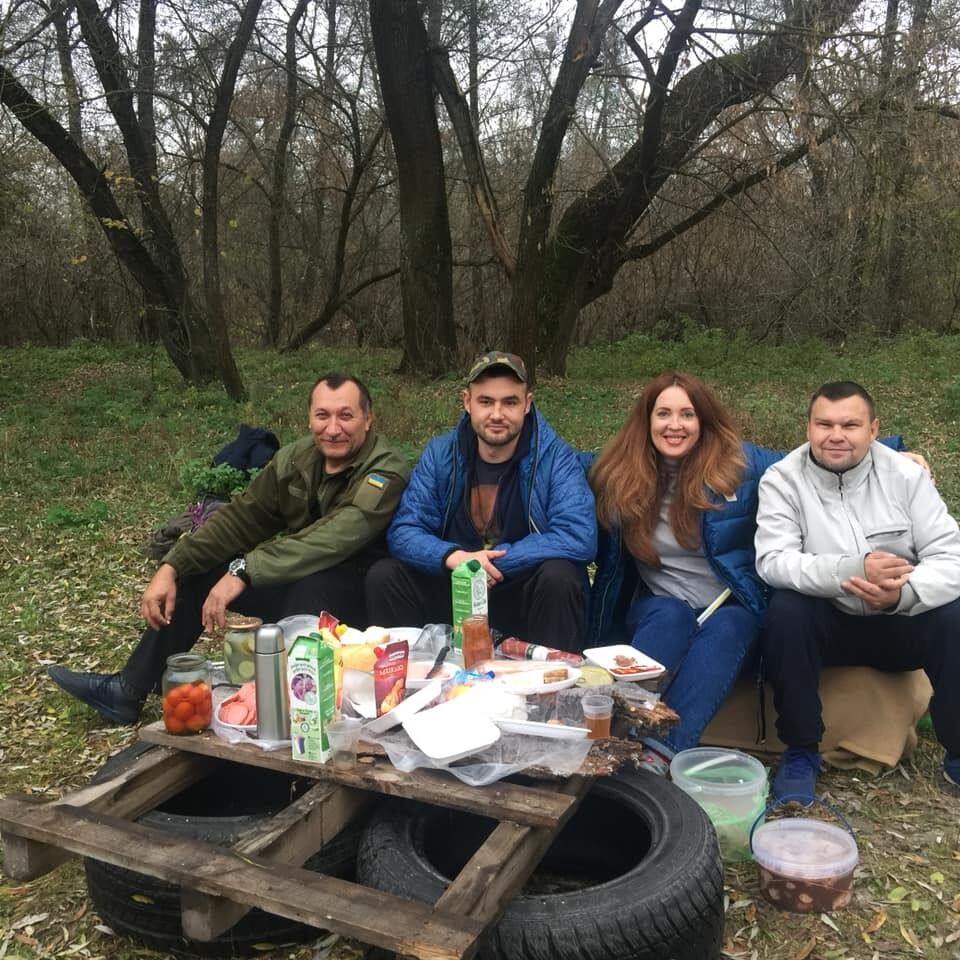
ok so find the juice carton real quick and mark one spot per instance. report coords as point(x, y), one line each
point(310, 680)
point(468, 587)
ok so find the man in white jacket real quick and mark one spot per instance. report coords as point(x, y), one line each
point(864, 562)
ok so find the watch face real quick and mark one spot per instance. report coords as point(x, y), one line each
point(237, 566)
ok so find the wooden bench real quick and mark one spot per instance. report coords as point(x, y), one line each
point(264, 869)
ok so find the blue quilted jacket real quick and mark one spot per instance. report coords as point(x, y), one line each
point(727, 538)
point(557, 500)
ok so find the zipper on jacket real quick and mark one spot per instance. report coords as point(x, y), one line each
point(843, 503)
point(533, 476)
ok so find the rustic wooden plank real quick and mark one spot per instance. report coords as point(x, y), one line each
point(349, 909)
point(153, 777)
point(533, 806)
point(501, 866)
point(290, 837)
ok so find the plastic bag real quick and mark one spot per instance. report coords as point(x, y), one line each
point(511, 754)
point(227, 732)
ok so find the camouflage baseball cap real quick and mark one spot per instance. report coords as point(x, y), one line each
point(496, 358)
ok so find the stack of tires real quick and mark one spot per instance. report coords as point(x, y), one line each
point(635, 875)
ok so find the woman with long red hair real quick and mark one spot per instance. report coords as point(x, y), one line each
point(676, 492)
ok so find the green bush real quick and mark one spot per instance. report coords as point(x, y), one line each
point(200, 479)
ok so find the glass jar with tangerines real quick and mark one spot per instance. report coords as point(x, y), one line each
point(187, 697)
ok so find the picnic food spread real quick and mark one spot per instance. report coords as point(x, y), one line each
point(532, 697)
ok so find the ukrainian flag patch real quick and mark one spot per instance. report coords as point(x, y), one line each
point(375, 480)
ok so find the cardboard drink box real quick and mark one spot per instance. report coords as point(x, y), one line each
point(312, 686)
point(468, 588)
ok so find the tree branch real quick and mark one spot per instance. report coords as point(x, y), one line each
point(459, 112)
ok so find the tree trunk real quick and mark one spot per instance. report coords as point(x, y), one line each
point(426, 286)
point(184, 334)
point(278, 193)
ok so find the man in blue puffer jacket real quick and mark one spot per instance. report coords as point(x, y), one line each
point(504, 489)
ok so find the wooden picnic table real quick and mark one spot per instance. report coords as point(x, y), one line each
point(264, 869)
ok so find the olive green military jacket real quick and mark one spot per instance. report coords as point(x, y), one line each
point(294, 519)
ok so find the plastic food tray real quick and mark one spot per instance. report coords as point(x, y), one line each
point(407, 707)
point(606, 657)
point(451, 731)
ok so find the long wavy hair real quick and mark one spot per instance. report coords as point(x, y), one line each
point(629, 478)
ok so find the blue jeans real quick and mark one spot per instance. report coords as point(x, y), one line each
point(702, 662)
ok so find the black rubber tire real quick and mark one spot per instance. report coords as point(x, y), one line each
point(650, 876)
point(148, 909)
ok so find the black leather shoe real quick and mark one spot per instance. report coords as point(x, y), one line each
point(102, 691)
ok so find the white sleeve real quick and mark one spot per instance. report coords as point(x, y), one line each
point(935, 579)
point(781, 561)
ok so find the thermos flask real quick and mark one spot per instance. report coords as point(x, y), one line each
point(270, 671)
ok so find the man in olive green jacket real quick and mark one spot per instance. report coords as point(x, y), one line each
point(299, 539)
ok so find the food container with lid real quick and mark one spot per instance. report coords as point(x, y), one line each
point(186, 694)
point(805, 865)
point(730, 786)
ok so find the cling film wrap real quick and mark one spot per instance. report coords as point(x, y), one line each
point(513, 752)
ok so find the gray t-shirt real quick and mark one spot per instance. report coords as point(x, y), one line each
point(684, 574)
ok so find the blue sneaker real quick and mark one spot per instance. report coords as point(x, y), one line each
point(951, 770)
point(796, 777)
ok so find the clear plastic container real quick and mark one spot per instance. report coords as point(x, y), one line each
point(730, 786)
point(186, 692)
point(805, 865)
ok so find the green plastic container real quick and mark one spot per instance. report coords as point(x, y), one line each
point(730, 786)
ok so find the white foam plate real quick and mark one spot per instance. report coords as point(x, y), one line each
point(530, 682)
point(451, 731)
point(410, 634)
point(417, 671)
point(534, 728)
point(606, 657)
point(407, 707)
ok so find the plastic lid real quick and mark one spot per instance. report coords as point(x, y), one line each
point(804, 849)
point(718, 770)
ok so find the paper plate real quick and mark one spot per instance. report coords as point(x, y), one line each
point(534, 728)
point(407, 707)
point(530, 682)
point(451, 731)
point(606, 657)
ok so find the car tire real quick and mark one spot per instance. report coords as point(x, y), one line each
point(635, 875)
point(147, 909)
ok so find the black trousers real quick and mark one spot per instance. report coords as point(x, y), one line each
point(546, 605)
point(338, 589)
point(802, 634)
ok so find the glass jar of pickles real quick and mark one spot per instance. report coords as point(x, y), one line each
point(239, 639)
point(187, 697)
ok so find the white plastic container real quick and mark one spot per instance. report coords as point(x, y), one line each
point(805, 865)
point(730, 786)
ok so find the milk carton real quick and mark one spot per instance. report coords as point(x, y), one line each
point(468, 588)
point(310, 680)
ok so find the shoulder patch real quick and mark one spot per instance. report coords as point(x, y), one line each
point(375, 480)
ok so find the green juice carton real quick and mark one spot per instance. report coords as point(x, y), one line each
point(313, 692)
point(468, 587)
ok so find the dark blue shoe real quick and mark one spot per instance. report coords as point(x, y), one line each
point(796, 777)
point(102, 691)
point(951, 770)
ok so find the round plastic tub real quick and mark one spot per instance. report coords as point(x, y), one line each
point(805, 865)
point(730, 786)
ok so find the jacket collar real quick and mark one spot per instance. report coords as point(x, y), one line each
point(833, 479)
point(310, 458)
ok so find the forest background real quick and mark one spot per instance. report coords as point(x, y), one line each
point(205, 203)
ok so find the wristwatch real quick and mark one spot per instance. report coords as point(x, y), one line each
point(238, 568)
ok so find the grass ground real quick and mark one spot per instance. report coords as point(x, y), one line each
point(92, 440)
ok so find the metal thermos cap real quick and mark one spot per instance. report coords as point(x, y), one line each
point(269, 639)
